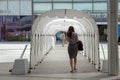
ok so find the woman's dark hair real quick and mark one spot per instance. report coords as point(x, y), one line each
point(70, 30)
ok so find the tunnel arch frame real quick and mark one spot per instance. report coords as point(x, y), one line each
point(90, 35)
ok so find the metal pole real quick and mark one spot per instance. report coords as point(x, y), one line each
point(113, 57)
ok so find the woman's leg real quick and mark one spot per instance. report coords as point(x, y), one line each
point(75, 62)
point(72, 64)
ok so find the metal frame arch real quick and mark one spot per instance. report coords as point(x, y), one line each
point(35, 24)
point(87, 38)
point(49, 16)
point(96, 40)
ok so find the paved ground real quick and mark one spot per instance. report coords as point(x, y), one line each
point(54, 67)
point(9, 51)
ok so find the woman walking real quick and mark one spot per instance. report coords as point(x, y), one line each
point(72, 48)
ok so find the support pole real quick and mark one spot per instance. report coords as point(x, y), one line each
point(113, 57)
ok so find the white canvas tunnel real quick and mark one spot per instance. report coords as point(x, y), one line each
point(47, 25)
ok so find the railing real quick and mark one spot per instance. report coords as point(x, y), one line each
point(23, 51)
point(103, 51)
point(45, 55)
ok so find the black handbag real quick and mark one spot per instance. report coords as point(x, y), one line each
point(80, 45)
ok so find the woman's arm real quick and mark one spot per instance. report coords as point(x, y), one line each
point(77, 38)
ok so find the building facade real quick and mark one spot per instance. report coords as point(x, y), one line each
point(15, 20)
point(33, 8)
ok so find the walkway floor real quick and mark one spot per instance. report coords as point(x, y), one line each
point(54, 67)
point(56, 64)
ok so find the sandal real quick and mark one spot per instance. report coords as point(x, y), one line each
point(72, 71)
point(75, 69)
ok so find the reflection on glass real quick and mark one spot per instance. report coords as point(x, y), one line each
point(15, 28)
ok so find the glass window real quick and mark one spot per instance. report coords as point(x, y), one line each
point(62, 0)
point(62, 5)
point(3, 7)
point(100, 7)
point(100, 0)
point(26, 7)
point(42, 6)
point(13, 7)
point(82, 0)
point(42, 0)
point(82, 6)
point(119, 7)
